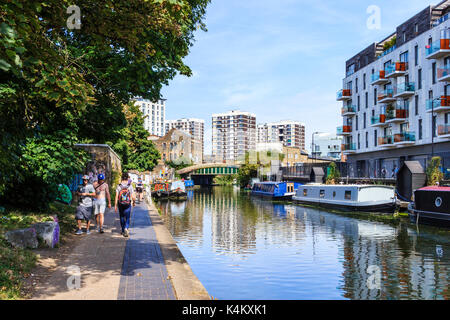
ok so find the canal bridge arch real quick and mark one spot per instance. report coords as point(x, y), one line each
point(203, 174)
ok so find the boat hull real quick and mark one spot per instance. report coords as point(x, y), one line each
point(272, 197)
point(429, 217)
point(388, 207)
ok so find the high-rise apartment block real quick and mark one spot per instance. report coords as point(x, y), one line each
point(233, 134)
point(396, 97)
point(154, 115)
point(289, 133)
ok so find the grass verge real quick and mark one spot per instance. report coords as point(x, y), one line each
point(15, 263)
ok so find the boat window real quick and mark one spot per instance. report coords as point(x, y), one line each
point(334, 194)
point(322, 193)
point(305, 192)
point(348, 195)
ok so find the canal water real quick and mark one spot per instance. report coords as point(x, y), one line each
point(242, 247)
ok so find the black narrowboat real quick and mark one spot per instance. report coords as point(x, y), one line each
point(431, 206)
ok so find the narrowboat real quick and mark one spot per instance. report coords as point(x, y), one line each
point(160, 190)
point(174, 189)
point(189, 184)
point(368, 198)
point(275, 190)
point(431, 206)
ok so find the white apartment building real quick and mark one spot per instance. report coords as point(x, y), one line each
point(289, 133)
point(396, 97)
point(195, 127)
point(326, 145)
point(233, 133)
point(154, 115)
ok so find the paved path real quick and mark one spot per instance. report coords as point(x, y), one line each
point(144, 274)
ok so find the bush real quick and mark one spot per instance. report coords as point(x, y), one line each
point(333, 174)
point(434, 173)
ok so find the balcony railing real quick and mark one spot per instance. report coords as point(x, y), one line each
point(344, 93)
point(400, 112)
point(348, 109)
point(343, 130)
point(379, 76)
point(443, 72)
point(387, 140)
point(396, 67)
point(405, 87)
point(387, 51)
point(378, 119)
point(348, 147)
point(435, 47)
point(444, 129)
point(443, 101)
point(404, 137)
point(386, 94)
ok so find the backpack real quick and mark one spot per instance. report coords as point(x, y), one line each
point(124, 196)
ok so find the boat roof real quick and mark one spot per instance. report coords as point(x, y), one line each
point(435, 188)
point(347, 185)
point(270, 182)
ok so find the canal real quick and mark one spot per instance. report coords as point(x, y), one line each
point(241, 247)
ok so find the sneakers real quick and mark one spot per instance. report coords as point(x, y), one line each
point(126, 233)
point(88, 232)
point(79, 231)
point(101, 230)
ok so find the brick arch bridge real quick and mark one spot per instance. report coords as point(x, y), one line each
point(203, 174)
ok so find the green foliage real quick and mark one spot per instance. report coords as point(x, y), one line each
point(333, 174)
point(390, 43)
point(180, 163)
point(224, 180)
point(434, 174)
point(246, 173)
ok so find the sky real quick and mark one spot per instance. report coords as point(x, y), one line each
point(279, 59)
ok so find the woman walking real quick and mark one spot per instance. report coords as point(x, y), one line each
point(125, 199)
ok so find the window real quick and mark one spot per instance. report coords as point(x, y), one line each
point(359, 104)
point(357, 123)
point(416, 55)
point(334, 194)
point(375, 96)
point(364, 120)
point(359, 142)
point(420, 129)
point(404, 37)
point(348, 195)
point(367, 139)
point(305, 192)
point(416, 105)
point(356, 85)
point(364, 80)
point(416, 28)
point(433, 126)
point(419, 79)
point(433, 72)
point(375, 137)
point(322, 194)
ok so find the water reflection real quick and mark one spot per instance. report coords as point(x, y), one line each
point(243, 247)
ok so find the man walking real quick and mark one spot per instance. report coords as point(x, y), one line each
point(84, 210)
point(102, 193)
point(139, 189)
point(125, 199)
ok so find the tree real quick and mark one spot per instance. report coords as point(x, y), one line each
point(246, 173)
point(434, 174)
point(333, 174)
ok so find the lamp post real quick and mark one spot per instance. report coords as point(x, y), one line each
point(433, 125)
point(314, 146)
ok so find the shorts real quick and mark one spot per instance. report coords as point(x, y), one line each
point(139, 189)
point(99, 206)
point(83, 213)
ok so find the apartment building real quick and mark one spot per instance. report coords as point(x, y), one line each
point(195, 127)
point(289, 133)
point(326, 145)
point(154, 115)
point(396, 97)
point(233, 133)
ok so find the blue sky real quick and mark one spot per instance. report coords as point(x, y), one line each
point(280, 59)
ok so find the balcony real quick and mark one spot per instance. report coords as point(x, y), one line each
point(344, 131)
point(378, 121)
point(386, 142)
point(386, 96)
point(348, 148)
point(404, 90)
point(444, 131)
point(379, 78)
point(404, 138)
point(398, 114)
point(441, 104)
point(438, 49)
point(443, 74)
point(396, 69)
point(344, 94)
point(348, 111)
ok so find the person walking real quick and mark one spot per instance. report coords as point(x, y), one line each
point(125, 200)
point(139, 189)
point(102, 193)
point(86, 193)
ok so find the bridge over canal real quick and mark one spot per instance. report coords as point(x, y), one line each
point(203, 174)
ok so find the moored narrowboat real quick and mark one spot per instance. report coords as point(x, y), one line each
point(160, 190)
point(368, 198)
point(177, 189)
point(275, 190)
point(431, 206)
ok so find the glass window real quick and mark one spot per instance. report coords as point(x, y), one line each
point(322, 194)
point(348, 195)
